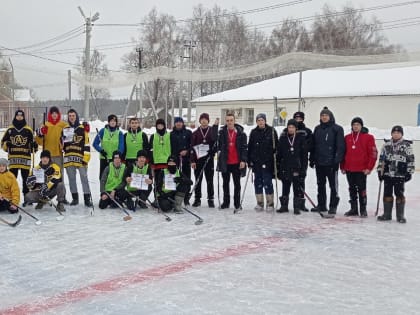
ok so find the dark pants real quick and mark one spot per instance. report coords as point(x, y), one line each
point(209, 173)
point(166, 201)
point(322, 174)
point(357, 185)
point(102, 165)
point(236, 175)
point(263, 180)
point(24, 173)
point(118, 197)
point(297, 187)
point(5, 205)
point(394, 185)
point(142, 194)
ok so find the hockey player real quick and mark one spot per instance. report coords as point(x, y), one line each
point(262, 146)
point(359, 160)
point(395, 168)
point(135, 140)
point(9, 189)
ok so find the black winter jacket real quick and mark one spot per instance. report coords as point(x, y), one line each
point(223, 143)
point(181, 140)
point(261, 148)
point(291, 158)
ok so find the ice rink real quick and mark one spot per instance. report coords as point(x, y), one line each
point(247, 263)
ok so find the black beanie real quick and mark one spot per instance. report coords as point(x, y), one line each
point(160, 121)
point(54, 109)
point(46, 153)
point(397, 128)
point(292, 122)
point(116, 153)
point(19, 111)
point(142, 153)
point(172, 158)
point(326, 111)
point(357, 120)
point(112, 117)
point(299, 114)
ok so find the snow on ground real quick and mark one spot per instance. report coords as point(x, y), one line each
point(248, 263)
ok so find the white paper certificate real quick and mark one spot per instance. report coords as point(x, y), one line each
point(139, 181)
point(201, 150)
point(68, 134)
point(40, 175)
point(169, 182)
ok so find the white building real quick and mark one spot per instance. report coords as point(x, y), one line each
point(382, 97)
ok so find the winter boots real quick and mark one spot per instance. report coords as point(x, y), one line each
point(211, 203)
point(179, 198)
point(260, 203)
point(270, 203)
point(75, 200)
point(196, 203)
point(284, 203)
point(400, 205)
point(226, 202)
point(354, 209)
point(388, 203)
point(88, 200)
point(60, 206)
point(298, 205)
point(363, 203)
point(334, 200)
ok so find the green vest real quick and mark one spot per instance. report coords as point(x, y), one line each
point(110, 142)
point(138, 170)
point(115, 177)
point(133, 144)
point(161, 148)
point(165, 173)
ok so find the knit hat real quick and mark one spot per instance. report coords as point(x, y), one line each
point(292, 122)
point(160, 121)
point(19, 111)
point(112, 117)
point(172, 158)
point(299, 114)
point(357, 120)
point(116, 154)
point(178, 119)
point(46, 153)
point(4, 161)
point(326, 111)
point(204, 116)
point(261, 115)
point(54, 109)
point(142, 153)
point(397, 128)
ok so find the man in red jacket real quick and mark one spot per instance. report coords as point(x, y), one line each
point(358, 162)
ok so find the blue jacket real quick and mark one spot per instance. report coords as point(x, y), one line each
point(100, 136)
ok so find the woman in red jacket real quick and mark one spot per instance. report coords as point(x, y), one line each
point(358, 162)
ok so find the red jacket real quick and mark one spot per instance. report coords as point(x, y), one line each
point(361, 152)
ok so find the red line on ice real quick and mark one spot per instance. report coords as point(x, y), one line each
point(159, 272)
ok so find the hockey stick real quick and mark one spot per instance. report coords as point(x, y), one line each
point(275, 167)
point(12, 224)
point(313, 205)
point(380, 186)
point(167, 218)
point(243, 194)
point(127, 217)
point(52, 204)
point(37, 221)
point(198, 222)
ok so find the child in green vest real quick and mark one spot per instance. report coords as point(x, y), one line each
point(171, 187)
point(135, 140)
point(112, 182)
point(144, 172)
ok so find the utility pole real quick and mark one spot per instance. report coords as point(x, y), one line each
point(180, 88)
point(88, 23)
point(188, 46)
point(139, 51)
point(300, 90)
point(69, 85)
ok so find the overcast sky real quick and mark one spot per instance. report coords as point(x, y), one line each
point(25, 22)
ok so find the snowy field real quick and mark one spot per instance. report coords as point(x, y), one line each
point(247, 263)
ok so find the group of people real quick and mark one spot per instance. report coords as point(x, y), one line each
point(132, 166)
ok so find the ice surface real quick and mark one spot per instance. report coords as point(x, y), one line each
point(248, 263)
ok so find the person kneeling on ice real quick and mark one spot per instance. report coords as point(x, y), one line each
point(9, 188)
point(112, 182)
point(171, 186)
point(45, 182)
point(395, 168)
point(139, 179)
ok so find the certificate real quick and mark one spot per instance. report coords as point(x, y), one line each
point(139, 181)
point(39, 175)
point(169, 182)
point(68, 134)
point(201, 150)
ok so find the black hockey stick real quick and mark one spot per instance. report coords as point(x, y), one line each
point(12, 224)
point(128, 216)
point(167, 218)
point(37, 221)
point(198, 222)
point(325, 216)
point(243, 194)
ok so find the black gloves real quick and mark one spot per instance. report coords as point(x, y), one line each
point(407, 177)
point(311, 164)
point(380, 176)
point(104, 154)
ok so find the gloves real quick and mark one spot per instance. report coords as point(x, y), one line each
point(177, 180)
point(407, 177)
point(380, 177)
point(104, 154)
point(86, 126)
point(42, 131)
point(311, 164)
point(35, 146)
point(336, 167)
point(49, 171)
point(44, 191)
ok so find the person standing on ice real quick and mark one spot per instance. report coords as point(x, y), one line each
point(307, 134)
point(204, 139)
point(262, 147)
point(395, 168)
point(181, 147)
point(18, 142)
point(109, 139)
point(233, 155)
point(76, 156)
point(45, 182)
point(112, 182)
point(326, 156)
point(359, 161)
point(9, 189)
point(291, 157)
point(135, 140)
